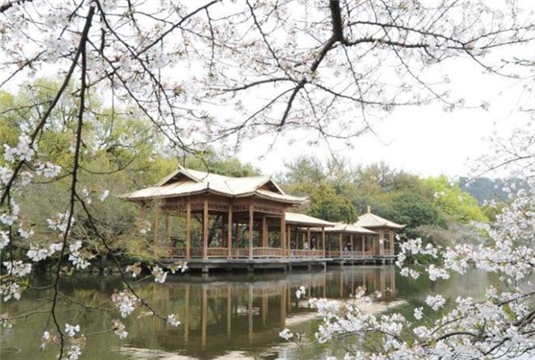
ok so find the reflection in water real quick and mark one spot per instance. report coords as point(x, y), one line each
point(223, 317)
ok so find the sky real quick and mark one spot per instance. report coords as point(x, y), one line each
point(423, 140)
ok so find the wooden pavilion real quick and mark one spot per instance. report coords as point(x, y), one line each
point(350, 241)
point(216, 221)
point(385, 229)
point(239, 218)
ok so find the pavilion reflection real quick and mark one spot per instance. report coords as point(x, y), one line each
point(247, 314)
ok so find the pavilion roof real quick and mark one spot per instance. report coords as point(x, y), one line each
point(370, 220)
point(306, 220)
point(185, 182)
point(349, 229)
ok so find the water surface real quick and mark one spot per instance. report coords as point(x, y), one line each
point(230, 316)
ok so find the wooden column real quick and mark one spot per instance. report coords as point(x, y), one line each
point(340, 242)
point(381, 243)
point(363, 244)
point(265, 232)
point(283, 230)
point(323, 240)
point(251, 223)
point(229, 231)
point(352, 242)
point(308, 239)
point(288, 242)
point(188, 230)
point(205, 230)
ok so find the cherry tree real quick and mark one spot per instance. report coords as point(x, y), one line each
point(216, 71)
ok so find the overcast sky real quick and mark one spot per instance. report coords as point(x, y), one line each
point(424, 140)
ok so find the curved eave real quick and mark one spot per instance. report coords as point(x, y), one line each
point(312, 225)
point(293, 201)
point(384, 226)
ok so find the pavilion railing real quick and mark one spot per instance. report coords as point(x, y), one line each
point(240, 253)
point(178, 252)
point(368, 254)
point(306, 253)
point(270, 252)
point(332, 253)
point(388, 252)
point(349, 254)
point(267, 252)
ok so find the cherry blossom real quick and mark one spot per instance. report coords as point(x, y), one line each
point(173, 320)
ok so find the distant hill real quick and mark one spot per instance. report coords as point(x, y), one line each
point(486, 189)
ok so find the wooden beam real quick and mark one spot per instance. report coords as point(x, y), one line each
point(205, 230)
point(229, 231)
point(188, 230)
point(251, 223)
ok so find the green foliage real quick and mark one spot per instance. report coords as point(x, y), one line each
point(327, 204)
point(414, 210)
point(453, 201)
point(339, 193)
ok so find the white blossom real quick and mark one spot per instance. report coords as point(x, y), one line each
point(18, 268)
point(71, 330)
point(4, 239)
point(435, 302)
point(173, 320)
point(125, 302)
point(119, 328)
point(74, 352)
point(159, 274)
point(286, 334)
point(104, 195)
point(300, 292)
point(418, 313)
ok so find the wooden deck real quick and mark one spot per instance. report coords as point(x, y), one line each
point(262, 258)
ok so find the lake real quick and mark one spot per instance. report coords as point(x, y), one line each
point(227, 316)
